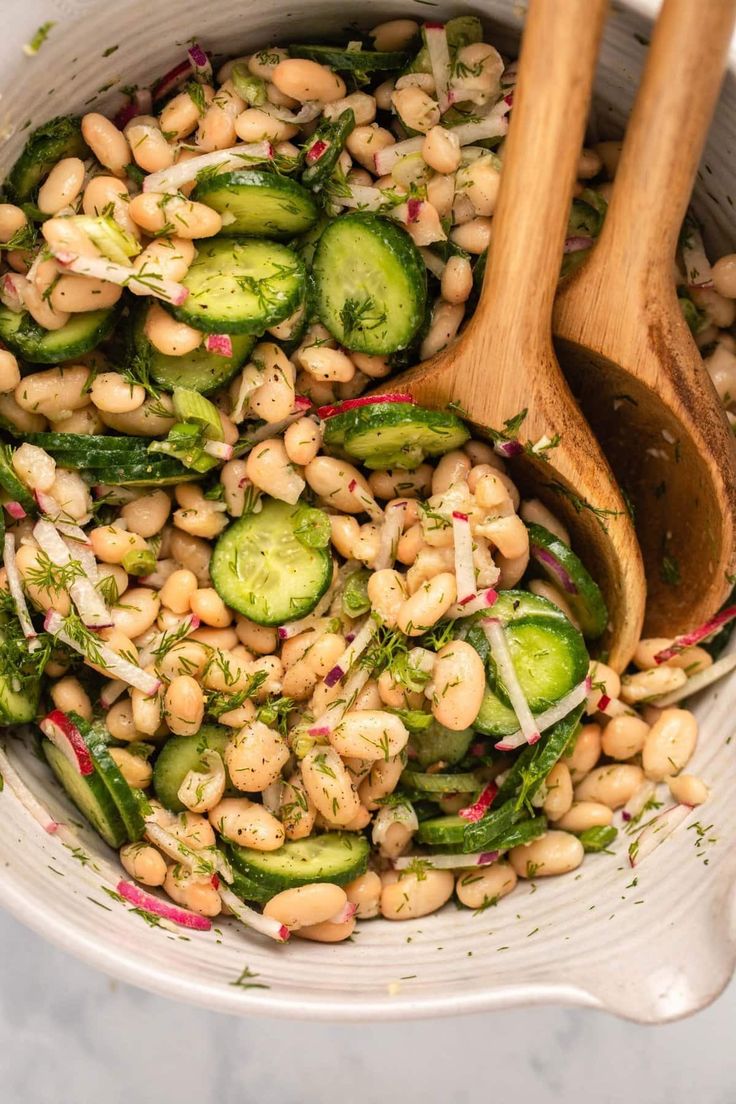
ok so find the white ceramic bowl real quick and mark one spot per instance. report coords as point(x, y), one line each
point(651, 947)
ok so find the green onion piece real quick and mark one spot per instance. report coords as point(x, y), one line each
point(252, 89)
point(184, 441)
point(139, 561)
point(114, 243)
point(190, 406)
point(355, 599)
point(312, 528)
point(599, 838)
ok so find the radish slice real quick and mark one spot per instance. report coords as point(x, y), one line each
point(353, 651)
point(148, 283)
point(548, 718)
point(236, 157)
point(171, 80)
point(447, 862)
point(502, 657)
point(252, 919)
point(464, 566)
point(140, 103)
point(85, 555)
point(551, 563)
point(15, 587)
point(347, 912)
point(439, 60)
point(111, 691)
point(386, 158)
point(393, 525)
point(311, 621)
point(636, 803)
point(336, 710)
point(477, 810)
point(698, 682)
point(657, 831)
point(219, 449)
point(48, 505)
point(15, 783)
point(508, 449)
point(97, 652)
point(73, 533)
point(204, 862)
point(363, 197)
point(200, 63)
point(146, 901)
point(494, 125)
point(65, 735)
point(701, 633)
point(364, 400)
point(219, 344)
point(86, 598)
point(576, 244)
point(389, 815)
point(482, 601)
point(15, 511)
point(11, 293)
point(697, 266)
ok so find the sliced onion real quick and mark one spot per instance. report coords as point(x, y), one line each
point(311, 621)
point(86, 597)
point(15, 511)
point(29, 802)
point(200, 863)
point(483, 600)
point(271, 797)
point(307, 113)
point(363, 197)
point(447, 862)
point(153, 283)
point(548, 718)
point(171, 80)
point(698, 681)
point(477, 810)
point(464, 566)
point(353, 651)
point(64, 735)
point(219, 449)
point(657, 831)
point(15, 587)
point(252, 919)
point(219, 344)
point(496, 637)
point(494, 125)
point(201, 790)
point(117, 666)
point(146, 901)
point(687, 640)
point(273, 429)
point(200, 63)
point(551, 563)
point(435, 37)
point(48, 505)
point(391, 530)
point(508, 449)
point(164, 570)
point(184, 172)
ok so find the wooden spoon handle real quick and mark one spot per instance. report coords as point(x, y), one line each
point(666, 133)
point(557, 64)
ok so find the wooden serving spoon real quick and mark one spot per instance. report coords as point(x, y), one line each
point(504, 363)
point(626, 348)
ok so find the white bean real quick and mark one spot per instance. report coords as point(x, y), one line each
point(477, 889)
point(458, 682)
point(669, 744)
point(412, 896)
point(553, 853)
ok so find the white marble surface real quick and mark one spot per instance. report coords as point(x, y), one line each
point(68, 1034)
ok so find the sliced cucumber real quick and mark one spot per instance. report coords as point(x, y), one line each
point(259, 204)
point(200, 370)
point(241, 285)
point(439, 744)
point(494, 717)
point(120, 791)
point(261, 569)
point(58, 138)
point(322, 151)
point(400, 435)
point(371, 284)
point(562, 567)
point(246, 889)
point(82, 333)
point(181, 754)
point(114, 460)
point(440, 783)
point(353, 61)
point(11, 484)
point(511, 605)
point(549, 657)
point(17, 705)
point(444, 831)
point(155, 473)
point(77, 448)
point(90, 795)
point(335, 857)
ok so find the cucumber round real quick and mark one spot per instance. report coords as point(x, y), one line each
point(181, 754)
point(261, 569)
point(90, 795)
point(327, 143)
point(114, 460)
point(439, 744)
point(495, 718)
point(511, 605)
point(400, 435)
point(549, 657)
point(82, 333)
point(246, 889)
point(241, 285)
point(335, 857)
point(120, 791)
point(443, 831)
point(199, 370)
point(440, 783)
point(353, 61)
point(17, 706)
point(46, 145)
point(371, 284)
point(563, 568)
point(259, 204)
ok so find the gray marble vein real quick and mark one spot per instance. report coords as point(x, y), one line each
point(68, 1034)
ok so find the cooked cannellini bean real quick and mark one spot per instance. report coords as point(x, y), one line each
point(691, 660)
point(612, 785)
point(328, 784)
point(583, 815)
point(136, 611)
point(427, 605)
point(248, 824)
point(108, 144)
point(558, 792)
point(144, 863)
point(306, 905)
point(155, 213)
point(585, 752)
point(184, 705)
point(477, 889)
point(369, 734)
point(412, 896)
point(623, 737)
point(135, 769)
point(458, 685)
point(394, 34)
point(307, 80)
point(365, 893)
point(669, 743)
point(269, 469)
point(62, 186)
point(553, 853)
point(688, 789)
point(255, 756)
point(69, 696)
point(650, 684)
point(190, 891)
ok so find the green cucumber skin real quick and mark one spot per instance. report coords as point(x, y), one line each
point(90, 796)
point(440, 784)
point(18, 708)
point(399, 435)
point(352, 61)
point(334, 132)
point(444, 831)
point(12, 485)
point(587, 603)
point(264, 205)
point(243, 586)
point(120, 791)
point(440, 743)
point(336, 857)
point(181, 754)
point(81, 334)
point(217, 277)
point(200, 371)
point(46, 145)
point(532, 641)
point(114, 460)
point(396, 309)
